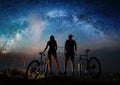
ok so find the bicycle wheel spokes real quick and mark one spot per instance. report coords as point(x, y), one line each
point(32, 70)
point(94, 67)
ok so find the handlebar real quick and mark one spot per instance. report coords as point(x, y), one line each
point(85, 54)
point(87, 50)
point(41, 53)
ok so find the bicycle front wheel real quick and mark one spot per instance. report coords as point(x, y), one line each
point(32, 70)
point(82, 68)
point(94, 67)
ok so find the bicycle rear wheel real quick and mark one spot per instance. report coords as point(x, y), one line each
point(94, 67)
point(32, 70)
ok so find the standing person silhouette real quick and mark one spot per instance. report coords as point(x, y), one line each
point(70, 50)
point(52, 44)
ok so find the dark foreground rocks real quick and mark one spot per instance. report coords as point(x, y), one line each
point(56, 80)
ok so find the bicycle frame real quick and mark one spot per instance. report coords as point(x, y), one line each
point(43, 63)
point(90, 64)
point(85, 58)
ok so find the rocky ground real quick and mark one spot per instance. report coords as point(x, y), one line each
point(57, 80)
point(18, 78)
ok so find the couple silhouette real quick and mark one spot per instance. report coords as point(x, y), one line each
point(70, 49)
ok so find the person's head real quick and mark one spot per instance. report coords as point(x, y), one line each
point(52, 37)
point(70, 36)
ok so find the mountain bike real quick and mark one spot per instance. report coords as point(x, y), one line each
point(87, 64)
point(37, 67)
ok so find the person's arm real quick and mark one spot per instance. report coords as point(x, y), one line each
point(45, 48)
point(56, 46)
point(75, 48)
point(65, 47)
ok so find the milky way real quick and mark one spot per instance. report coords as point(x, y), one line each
point(28, 22)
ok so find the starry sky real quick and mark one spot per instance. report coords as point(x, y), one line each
point(25, 26)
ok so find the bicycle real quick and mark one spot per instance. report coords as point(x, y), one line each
point(36, 67)
point(89, 64)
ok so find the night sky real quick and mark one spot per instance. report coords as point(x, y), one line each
point(26, 25)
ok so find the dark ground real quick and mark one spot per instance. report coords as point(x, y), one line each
point(57, 80)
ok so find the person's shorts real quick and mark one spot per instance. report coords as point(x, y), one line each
point(52, 53)
point(69, 55)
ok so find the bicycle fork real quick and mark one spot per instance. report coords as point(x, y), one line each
point(79, 68)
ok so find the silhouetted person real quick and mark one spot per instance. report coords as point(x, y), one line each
point(70, 50)
point(52, 44)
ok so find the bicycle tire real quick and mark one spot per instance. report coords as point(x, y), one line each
point(31, 73)
point(94, 68)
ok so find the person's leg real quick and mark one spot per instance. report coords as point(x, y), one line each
point(50, 64)
point(65, 66)
point(57, 63)
point(72, 63)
